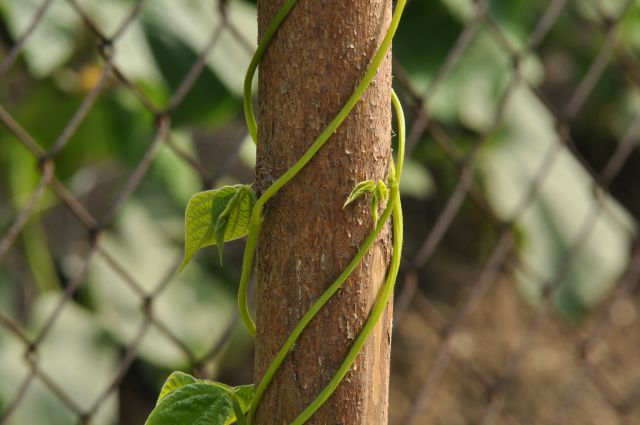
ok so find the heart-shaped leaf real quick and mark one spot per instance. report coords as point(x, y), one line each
point(243, 394)
point(233, 222)
point(197, 403)
point(174, 382)
point(216, 216)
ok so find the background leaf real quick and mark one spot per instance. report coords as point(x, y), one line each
point(76, 343)
point(193, 306)
point(208, 100)
point(557, 216)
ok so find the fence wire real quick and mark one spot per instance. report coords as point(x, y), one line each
point(435, 329)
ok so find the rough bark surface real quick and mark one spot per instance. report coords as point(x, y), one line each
point(312, 66)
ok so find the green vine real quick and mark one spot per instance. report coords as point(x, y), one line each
point(216, 216)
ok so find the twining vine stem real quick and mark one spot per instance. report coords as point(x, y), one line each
point(393, 208)
point(256, 219)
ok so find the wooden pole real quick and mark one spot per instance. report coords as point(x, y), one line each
point(311, 68)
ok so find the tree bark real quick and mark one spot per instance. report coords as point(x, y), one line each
point(311, 68)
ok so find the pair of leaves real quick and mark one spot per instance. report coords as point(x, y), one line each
point(377, 189)
point(216, 216)
point(186, 400)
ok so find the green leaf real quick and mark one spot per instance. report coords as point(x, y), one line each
point(216, 216)
point(379, 192)
point(244, 396)
point(174, 382)
point(382, 191)
point(197, 403)
point(380, 195)
point(361, 189)
point(374, 207)
point(178, 380)
point(235, 218)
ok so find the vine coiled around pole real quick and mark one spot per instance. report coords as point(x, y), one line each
point(392, 210)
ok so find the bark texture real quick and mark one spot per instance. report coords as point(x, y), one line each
point(311, 68)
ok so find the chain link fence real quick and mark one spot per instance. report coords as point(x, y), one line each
point(518, 297)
